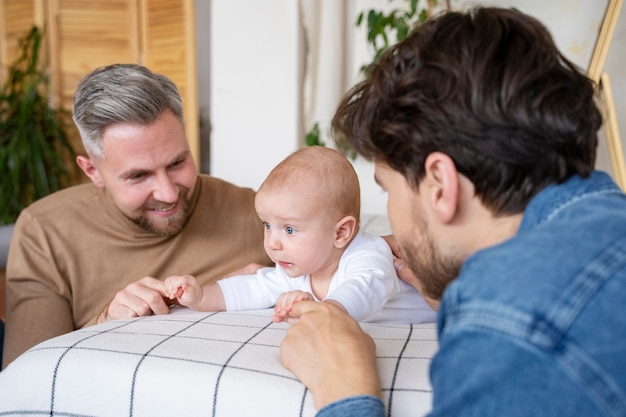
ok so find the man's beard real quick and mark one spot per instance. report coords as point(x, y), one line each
point(433, 267)
point(167, 226)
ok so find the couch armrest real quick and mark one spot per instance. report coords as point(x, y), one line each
point(2, 294)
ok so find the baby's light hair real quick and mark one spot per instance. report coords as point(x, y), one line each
point(322, 173)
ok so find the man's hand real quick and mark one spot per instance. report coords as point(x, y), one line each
point(140, 298)
point(327, 350)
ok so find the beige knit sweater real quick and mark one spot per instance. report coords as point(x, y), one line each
point(72, 251)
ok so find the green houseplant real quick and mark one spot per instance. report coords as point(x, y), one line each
point(36, 155)
point(383, 30)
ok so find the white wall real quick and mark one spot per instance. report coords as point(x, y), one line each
point(255, 87)
point(256, 64)
point(574, 24)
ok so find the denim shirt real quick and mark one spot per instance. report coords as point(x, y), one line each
point(536, 326)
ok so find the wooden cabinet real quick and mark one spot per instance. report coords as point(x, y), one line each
point(82, 35)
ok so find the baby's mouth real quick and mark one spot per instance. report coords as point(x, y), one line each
point(285, 264)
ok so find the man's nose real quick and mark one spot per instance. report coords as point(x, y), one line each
point(165, 189)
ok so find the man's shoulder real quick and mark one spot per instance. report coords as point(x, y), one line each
point(212, 185)
point(209, 181)
point(65, 199)
point(217, 195)
point(539, 283)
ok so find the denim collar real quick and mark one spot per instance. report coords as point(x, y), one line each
point(556, 197)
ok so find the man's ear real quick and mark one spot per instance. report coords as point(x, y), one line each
point(443, 180)
point(88, 167)
point(344, 231)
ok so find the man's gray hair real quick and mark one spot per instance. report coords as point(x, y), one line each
point(121, 93)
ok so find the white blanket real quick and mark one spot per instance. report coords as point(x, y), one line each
point(196, 364)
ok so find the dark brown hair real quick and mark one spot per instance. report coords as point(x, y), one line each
point(490, 89)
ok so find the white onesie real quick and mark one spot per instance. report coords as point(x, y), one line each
point(365, 284)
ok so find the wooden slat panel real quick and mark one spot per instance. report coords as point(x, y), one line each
point(17, 17)
point(168, 40)
point(87, 35)
point(83, 35)
point(91, 34)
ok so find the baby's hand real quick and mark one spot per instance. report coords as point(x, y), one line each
point(285, 304)
point(185, 289)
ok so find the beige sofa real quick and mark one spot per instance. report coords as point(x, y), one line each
point(5, 238)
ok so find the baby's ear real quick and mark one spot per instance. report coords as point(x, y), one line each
point(345, 230)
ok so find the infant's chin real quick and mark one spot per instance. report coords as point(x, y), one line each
point(292, 272)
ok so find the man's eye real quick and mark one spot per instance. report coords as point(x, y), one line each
point(177, 163)
point(290, 230)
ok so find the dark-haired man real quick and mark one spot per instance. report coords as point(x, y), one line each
point(484, 136)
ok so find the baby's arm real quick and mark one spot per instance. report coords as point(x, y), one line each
point(186, 290)
point(285, 303)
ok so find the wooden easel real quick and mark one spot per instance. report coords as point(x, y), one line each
point(602, 80)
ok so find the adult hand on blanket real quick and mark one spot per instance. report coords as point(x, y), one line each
point(329, 352)
point(144, 297)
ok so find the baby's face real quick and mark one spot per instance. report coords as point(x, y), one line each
point(299, 234)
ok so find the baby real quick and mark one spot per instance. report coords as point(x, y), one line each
point(309, 206)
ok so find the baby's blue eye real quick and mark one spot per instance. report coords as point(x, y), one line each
point(267, 226)
point(290, 230)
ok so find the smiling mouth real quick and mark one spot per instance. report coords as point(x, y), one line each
point(162, 209)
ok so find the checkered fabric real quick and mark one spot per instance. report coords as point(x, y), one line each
point(196, 364)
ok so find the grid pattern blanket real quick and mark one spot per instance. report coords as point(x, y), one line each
point(196, 364)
